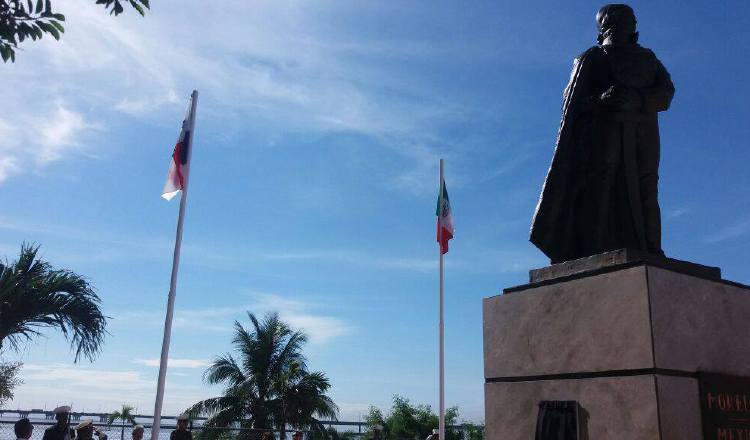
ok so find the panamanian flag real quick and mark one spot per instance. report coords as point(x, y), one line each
point(180, 165)
point(444, 218)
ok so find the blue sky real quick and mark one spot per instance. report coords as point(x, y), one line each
point(314, 176)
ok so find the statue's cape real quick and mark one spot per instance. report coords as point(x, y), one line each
point(552, 228)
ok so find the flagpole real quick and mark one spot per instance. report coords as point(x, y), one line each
point(173, 282)
point(442, 324)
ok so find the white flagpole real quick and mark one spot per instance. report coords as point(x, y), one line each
point(173, 282)
point(442, 324)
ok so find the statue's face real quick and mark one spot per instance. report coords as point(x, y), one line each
point(618, 25)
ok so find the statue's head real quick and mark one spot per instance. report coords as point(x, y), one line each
point(616, 23)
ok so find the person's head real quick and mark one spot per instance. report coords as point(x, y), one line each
point(138, 432)
point(182, 422)
point(62, 414)
point(297, 435)
point(85, 429)
point(616, 23)
point(23, 428)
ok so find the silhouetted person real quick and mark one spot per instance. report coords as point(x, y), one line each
point(23, 429)
point(61, 430)
point(86, 431)
point(181, 433)
point(434, 435)
point(137, 433)
point(601, 189)
point(377, 432)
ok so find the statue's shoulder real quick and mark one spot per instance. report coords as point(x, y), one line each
point(645, 51)
point(593, 53)
point(647, 56)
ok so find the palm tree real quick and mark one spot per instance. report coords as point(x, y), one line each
point(302, 400)
point(33, 296)
point(267, 385)
point(126, 415)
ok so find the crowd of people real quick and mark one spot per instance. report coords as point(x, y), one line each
point(85, 430)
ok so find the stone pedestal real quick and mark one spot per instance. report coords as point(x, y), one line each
point(625, 339)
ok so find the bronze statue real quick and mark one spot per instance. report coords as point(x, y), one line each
point(601, 189)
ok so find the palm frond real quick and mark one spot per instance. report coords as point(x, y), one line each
point(214, 405)
point(33, 296)
point(224, 369)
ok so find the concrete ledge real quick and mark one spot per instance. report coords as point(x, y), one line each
point(621, 257)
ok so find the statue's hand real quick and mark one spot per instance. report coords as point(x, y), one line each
point(631, 100)
point(610, 99)
point(621, 99)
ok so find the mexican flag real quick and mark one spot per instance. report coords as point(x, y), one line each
point(444, 219)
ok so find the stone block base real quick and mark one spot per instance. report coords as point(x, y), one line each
point(643, 407)
point(627, 343)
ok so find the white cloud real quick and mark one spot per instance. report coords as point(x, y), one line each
point(92, 389)
point(277, 67)
point(677, 212)
point(29, 142)
point(735, 229)
point(321, 328)
point(141, 106)
point(421, 178)
point(59, 133)
point(155, 248)
point(8, 166)
point(175, 363)
point(144, 248)
point(352, 410)
point(78, 376)
point(358, 259)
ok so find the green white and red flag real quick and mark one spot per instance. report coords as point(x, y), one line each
point(444, 218)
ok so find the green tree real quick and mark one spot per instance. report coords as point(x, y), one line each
point(475, 431)
point(126, 415)
point(8, 380)
point(374, 417)
point(407, 421)
point(267, 384)
point(31, 19)
point(34, 296)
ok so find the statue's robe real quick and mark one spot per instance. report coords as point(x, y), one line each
point(600, 193)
